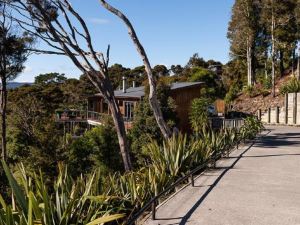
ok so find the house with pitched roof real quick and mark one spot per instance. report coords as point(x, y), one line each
point(182, 92)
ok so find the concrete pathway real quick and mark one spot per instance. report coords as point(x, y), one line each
point(256, 185)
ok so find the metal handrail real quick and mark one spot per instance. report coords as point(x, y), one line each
point(152, 202)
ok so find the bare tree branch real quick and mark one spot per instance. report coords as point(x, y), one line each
point(152, 95)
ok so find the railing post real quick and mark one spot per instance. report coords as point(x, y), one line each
point(192, 180)
point(153, 210)
point(259, 115)
point(277, 115)
point(214, 159)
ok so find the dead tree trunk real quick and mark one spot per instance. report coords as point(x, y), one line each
point(152, 94)
point(118, 121)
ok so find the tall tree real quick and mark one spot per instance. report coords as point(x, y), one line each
point(277, 16)
point(160, 71)
point(13, 54)
point(242, 33)
point(59, 25)
point(196, 61)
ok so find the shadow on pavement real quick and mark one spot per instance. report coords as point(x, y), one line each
point(198, 203)
point(277, 140)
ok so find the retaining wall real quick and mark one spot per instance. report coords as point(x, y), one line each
point(288, 115)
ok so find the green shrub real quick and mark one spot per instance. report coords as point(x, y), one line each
point(292, 86)
point(71, 201)
point(231, 95)
point(267, 82)
point(199, 113)
point(252, 126)
point(173, 156)
point(97, 148)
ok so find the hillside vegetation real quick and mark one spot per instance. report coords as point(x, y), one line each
point(251, 102)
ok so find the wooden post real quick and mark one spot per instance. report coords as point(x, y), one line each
point(153, 210)
point(269, 115)
point(259, 114)
point(286, 106)
point(277, 114)
point(295, 109)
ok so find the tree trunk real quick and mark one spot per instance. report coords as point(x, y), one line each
point(118, 122)
point(266, 65)
point(3, 118)
point(121, 132)
point(281, 66)
point(250, 63)
point(152, 94)
point(298, 64)
point(293, 62)
point(273, 54)
point(266, 71)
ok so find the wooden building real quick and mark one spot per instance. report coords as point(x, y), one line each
point(182, 92)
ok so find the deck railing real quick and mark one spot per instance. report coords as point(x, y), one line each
point(80, 115)
point(219, 122)
point(95, 116)
point(70, 115)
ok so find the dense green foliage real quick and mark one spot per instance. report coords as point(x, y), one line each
point(292, 86)
point(80, 201)
point(34, 137)
point(199, 114)
point(97, 148)
point(95, 196)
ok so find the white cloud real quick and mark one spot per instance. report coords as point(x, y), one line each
point(99, 21)
point(27, 69)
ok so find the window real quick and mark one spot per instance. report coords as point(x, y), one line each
point(91, 106)
point(129, 108)
point(104, 107)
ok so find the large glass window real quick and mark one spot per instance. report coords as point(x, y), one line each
point(129, 108)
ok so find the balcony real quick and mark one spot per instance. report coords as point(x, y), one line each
point(90, 117)
point(93, 118)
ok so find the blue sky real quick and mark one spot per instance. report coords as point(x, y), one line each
point(170, 30)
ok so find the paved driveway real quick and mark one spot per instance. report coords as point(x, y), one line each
point(257, 185)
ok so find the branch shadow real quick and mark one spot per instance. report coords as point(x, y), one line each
point(203, 197)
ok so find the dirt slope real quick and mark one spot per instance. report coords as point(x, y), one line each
point(247, 104)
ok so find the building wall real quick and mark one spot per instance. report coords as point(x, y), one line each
point(183, 99)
